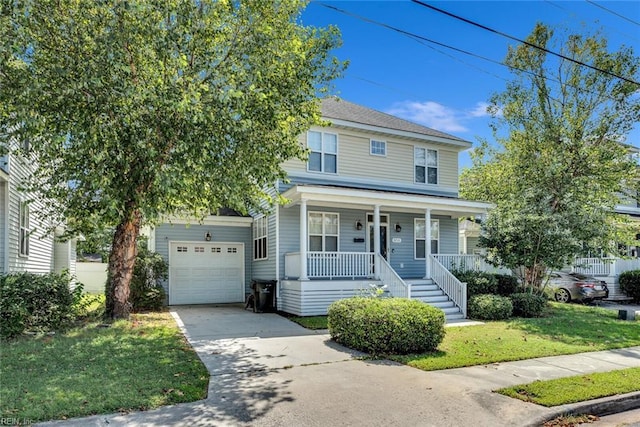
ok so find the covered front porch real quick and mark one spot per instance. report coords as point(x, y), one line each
point(349, 239)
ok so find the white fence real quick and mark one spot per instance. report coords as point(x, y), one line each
point(611, 267)
point(468, 262)
point(388, 276)
point(450, 285)
point(93, 275)
point(331, 264)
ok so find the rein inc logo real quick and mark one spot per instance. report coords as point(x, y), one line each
point(15, 421)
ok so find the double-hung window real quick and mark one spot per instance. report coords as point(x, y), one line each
point(323, 231)
point(378, 148)
point(426, 165)
point(24, 228)
point(323, 151)
point(420, 237)
point(260, 232)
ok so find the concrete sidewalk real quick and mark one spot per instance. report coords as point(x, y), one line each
point(268, 371)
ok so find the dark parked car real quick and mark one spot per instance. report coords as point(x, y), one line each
point(577, 287)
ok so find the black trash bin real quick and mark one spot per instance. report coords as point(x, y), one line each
point(264, 296)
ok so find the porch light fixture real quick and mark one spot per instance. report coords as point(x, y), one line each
point(207, 237)
point(358, 225)
point(398, 227)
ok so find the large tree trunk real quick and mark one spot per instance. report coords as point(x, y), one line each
point(533, 276)
point(121, 263)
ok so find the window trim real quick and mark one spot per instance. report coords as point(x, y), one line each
point(384, 144)
point(416, 238)
point(261, 225)
point(323, 235)
point(322, 152)
point(23, 228)
point(426, 167)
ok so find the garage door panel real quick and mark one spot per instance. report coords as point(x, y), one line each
point(206, 273)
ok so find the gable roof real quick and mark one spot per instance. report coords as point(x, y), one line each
point(339, 109)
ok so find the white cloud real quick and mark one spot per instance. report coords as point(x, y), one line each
point(480, 110)
point(429, 113)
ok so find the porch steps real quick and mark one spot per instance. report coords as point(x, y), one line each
point(427, 291)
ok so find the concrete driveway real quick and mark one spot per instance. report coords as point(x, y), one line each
point(268, 371)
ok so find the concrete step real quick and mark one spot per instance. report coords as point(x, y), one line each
point(432, 287)
point(431, 298)
point(429, 293)
point(413, 282)
point(443, 304)
point(452, 317)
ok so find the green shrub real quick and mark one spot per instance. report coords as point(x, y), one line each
point(146, 293)
point(526, 304)
point(489, 307)
point(506, 285)
point(36, 302)
point(630, 284)
point(386, 325)
point(477, 282)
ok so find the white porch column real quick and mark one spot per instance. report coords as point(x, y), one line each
point(303, 240)
point(376, 240)
point(427, 244)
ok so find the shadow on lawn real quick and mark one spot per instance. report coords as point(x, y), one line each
point(582, 325)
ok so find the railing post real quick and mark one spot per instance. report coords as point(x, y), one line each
point(376, 240)
point(427, 243)
point(612, 268)
point(303, 240)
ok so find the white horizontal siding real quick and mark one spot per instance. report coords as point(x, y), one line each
point(313, 298)
point(3, 225)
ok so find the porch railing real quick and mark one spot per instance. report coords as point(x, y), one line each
point(605, 266)
point(468, 262)
point(450, 285)
point(331, 264)
point(389, 277)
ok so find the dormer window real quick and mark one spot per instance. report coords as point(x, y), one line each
point(426, 165)
point(323, 152)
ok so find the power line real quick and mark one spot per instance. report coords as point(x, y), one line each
point(484, 27)
point(422, 40)
point(613, 12)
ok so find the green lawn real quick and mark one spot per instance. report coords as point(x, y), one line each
point(135, 365)
point(576, 389)
point(566, 329)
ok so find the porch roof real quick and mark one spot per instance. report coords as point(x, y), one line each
point(353, 198)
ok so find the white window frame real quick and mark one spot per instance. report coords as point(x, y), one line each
point(323, 152)
point(24, 225)
point(416, 238)
point(383, 147)
point(426, 166)
point(324, 234)
point(261, 238)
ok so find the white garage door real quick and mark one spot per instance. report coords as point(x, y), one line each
point(205, 273)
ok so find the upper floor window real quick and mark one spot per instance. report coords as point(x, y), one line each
point(323, 155)
point(260, 232)
point(323, 231)
point(426, 165)
point(24, 228)
point(378, 148)
point(420, 237)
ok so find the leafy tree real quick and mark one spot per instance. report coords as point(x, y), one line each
point(136, 109)
point(557, 174)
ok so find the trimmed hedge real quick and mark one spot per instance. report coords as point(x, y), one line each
point(630, 284)
point(507, 284)
point(478, 283)
point(36, 302)
point(526, 304)
point(489, 307)
point(145, 291)
point(386, 325)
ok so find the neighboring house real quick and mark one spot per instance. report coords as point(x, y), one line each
point(24, 246)
point(469, 237)
point(377, 198)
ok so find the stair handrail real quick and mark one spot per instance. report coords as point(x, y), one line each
point(450, 285)
point(389, 277)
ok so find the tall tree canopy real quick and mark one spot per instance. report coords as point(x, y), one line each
point(558, 171)
point(136, 109)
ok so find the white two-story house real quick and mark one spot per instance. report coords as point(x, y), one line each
point(376, 200)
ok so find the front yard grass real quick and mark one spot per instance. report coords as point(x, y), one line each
point(566, 329)
point(576, 389)
point(311, 322)
point(92, 369)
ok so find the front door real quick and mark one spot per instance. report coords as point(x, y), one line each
point(384, 231)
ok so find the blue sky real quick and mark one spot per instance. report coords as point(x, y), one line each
point(441, 88)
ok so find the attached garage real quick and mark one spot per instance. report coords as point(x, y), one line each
point(206, 273)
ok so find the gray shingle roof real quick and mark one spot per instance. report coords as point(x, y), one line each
point(336, 108)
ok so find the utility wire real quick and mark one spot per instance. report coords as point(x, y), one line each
point(613, 12)
point(422, 40)
point(484, 27)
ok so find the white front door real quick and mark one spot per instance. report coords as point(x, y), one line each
point(206, 273)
